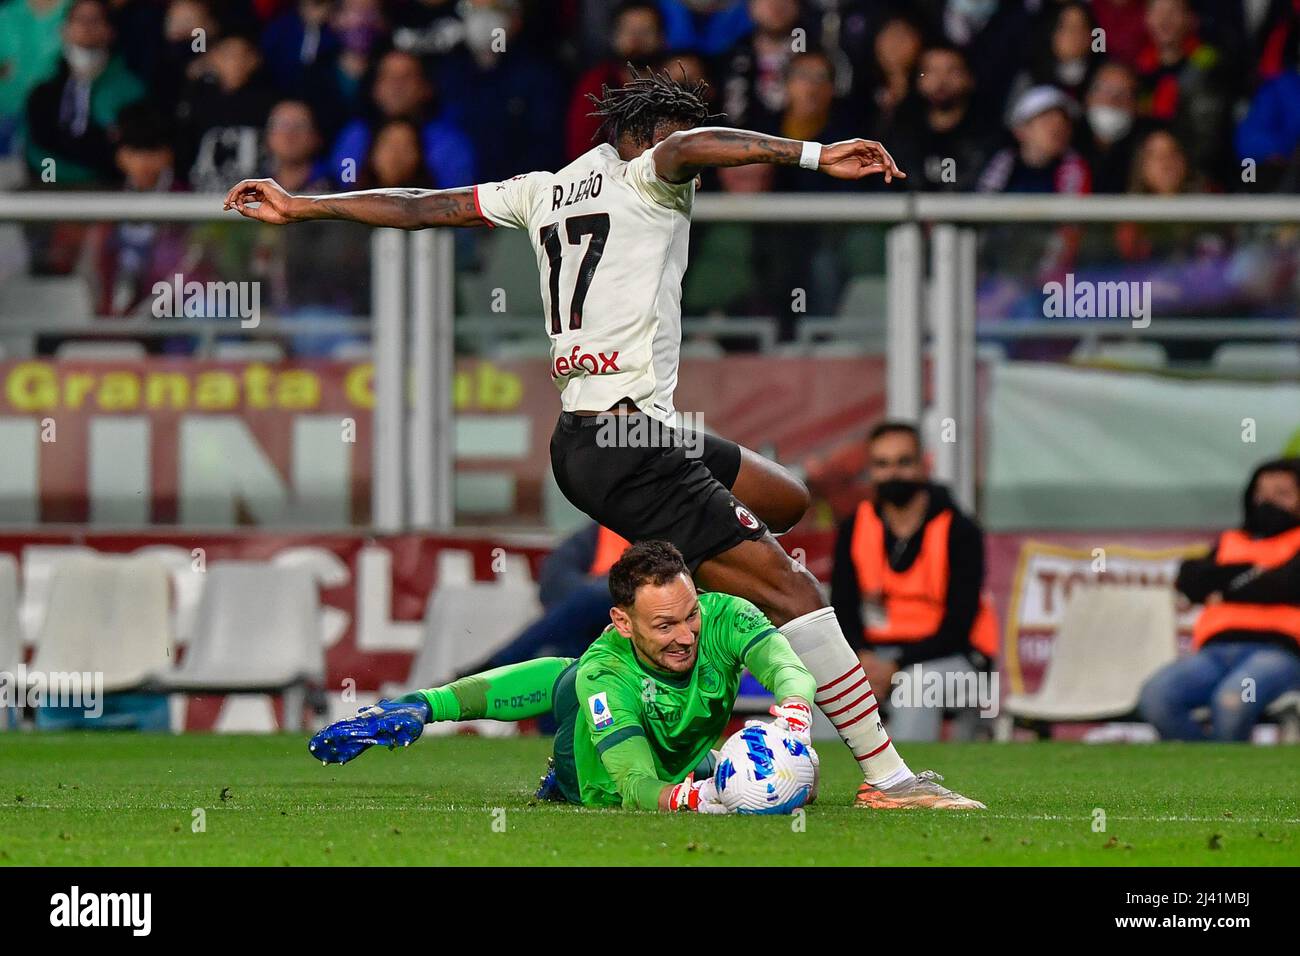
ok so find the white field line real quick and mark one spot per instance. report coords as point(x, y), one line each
point(389, 808)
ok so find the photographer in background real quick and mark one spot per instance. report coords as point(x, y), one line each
point(1246, 645)
point(908, 581)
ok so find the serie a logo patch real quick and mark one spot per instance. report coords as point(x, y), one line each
point(599, 707)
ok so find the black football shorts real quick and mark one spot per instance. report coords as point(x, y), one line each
point(674, 487)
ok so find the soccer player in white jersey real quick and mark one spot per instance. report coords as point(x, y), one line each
point(611, 233)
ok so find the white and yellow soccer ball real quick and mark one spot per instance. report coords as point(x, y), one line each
point(762, 769)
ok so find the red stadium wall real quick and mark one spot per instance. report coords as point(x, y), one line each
point(225, 444)
point(374, 591)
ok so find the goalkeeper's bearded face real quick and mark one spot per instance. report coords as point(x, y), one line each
point(663, 624)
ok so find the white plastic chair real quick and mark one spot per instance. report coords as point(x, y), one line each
point(257, 631)
point(466, 621)
point(62, 297)
point(107, 614)
point(354, 351)
point(252, 351)
point(93, 350)
point(1128, 354)
point(11, 643)
point(1111, 639)
point(1282, 358)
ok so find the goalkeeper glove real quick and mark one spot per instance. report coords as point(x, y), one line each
point(795, 718)
point(391, 723)
point(699, 796)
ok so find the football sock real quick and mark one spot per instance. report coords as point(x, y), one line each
point(512, 692)
point(844, 695)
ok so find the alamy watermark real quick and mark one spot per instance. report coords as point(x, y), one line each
point(1085, 299)
point(179, 299)
point(83, 690)
point(133, 911)
point(920, 686)
point(642, 431)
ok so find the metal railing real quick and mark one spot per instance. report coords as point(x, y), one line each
point(414, 281)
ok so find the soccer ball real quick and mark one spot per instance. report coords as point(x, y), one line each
point(762, 770)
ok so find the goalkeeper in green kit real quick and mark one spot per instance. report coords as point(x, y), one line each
point(639, 713)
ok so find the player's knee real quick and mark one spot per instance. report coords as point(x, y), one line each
point(789, 506)
point(792, 593)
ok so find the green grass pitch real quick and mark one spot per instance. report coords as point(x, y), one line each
point(100, 798)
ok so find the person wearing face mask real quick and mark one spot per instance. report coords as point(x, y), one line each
point(1061, 51)
point(1248, 635)
point(1110, 132)
point(29, 53)
point(908, 580)
point(69, 116)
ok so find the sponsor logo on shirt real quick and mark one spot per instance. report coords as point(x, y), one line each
point(709, 679)
point(599, 707)
point(577, 361)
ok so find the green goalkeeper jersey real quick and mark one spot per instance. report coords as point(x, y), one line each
point(639, 729)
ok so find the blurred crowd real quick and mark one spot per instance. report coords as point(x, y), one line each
point(1145, 96)
point(1002, 96)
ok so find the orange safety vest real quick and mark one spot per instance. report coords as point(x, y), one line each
point(914, 600)
point(1236, 547)
point(609, 548)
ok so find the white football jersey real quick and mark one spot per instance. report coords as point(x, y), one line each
point(611, 241)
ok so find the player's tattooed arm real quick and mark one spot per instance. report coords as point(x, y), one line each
point(267, 201)
point(681, 156)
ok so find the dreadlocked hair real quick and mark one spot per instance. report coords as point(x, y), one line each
point(646, 102)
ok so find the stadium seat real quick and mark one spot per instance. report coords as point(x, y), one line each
point(63, 298)
point(1110, 640)
point(1286, 711)
point(108, 614)
point(508, 275)
point(248, 352)
point(702, 348)
point(11, 643)
point(355, 351)
point(94, 350)
point(46, 297)
point(1279, 358)
point(466, 621)
point(257, 631)
point(520, 349)
point(1127, 354)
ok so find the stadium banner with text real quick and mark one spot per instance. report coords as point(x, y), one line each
point(159, 441)
point(1071, 448)
point(182, 441)
point(1031, 578)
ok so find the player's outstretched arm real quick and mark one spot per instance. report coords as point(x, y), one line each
point(267, 201)
point(681, 156)
point(631, 765)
